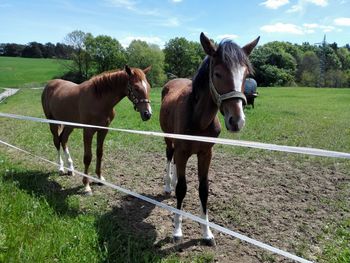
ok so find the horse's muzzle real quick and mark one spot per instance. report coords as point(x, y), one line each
point(146, 115)
point(234, 124)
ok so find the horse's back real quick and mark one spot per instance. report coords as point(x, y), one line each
point(175, 95)
point(59, 96)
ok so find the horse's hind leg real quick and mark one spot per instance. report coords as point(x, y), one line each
point(170, 177)
point(204, 159)
point(88, 134)
point(101, 135)
point(64, 139)
point(55, 130)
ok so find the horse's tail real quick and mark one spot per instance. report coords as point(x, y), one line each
point(45, 100)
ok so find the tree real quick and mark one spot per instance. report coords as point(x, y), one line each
point(309, 70)
point(13, 50)
point(49, 50)
point(182, 57)
point(344, 57)
point(106, 52)
point(33, 50)
point(141, 55)
point(81, 59)
point(273, 65)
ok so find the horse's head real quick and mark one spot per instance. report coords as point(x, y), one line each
point(138, 91)
point(228, 68)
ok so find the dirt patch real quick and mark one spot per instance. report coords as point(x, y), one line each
point(280, 203)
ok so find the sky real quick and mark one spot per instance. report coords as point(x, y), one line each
point(157, 21)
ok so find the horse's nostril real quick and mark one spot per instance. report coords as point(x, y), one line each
point(230, 121)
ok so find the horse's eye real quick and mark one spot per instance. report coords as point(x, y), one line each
point(218, 75)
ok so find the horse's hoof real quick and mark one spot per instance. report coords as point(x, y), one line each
point(102, 179)
point(70, 173)
point(177, 239)
point(61, 172)
point(209, 242)
point(88, 193)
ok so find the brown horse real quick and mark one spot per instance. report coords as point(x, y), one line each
point(92, 102)
point(190, 107)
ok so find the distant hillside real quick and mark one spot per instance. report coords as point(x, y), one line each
point(16, 71)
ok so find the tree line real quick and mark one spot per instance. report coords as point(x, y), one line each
point(276, 63)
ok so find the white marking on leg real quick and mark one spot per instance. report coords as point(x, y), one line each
point(68, 160)
point(102, 178)
point(87, 189)
point(177, 226)
point(60, 162)
point(174, 175)
point(207, 234)
point(168, 178)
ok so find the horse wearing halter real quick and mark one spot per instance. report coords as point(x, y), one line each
point(133, 98)
point(219, 98)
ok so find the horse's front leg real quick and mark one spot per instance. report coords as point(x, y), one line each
point(204, 159)
point(88, 134)
point(170, 177)
point(101, 135)
point(181, 159)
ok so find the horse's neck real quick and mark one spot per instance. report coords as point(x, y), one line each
point(204, 109)
point(113, 88)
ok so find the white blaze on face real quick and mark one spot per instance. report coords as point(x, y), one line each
point(238, 76)
point(144, 85)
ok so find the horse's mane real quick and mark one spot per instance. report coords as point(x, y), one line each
point(107, 80)
point(230, 54)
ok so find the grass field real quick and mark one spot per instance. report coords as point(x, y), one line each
point(16, 71)
point(42, 220)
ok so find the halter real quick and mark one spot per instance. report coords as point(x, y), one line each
point(134, 99)
point(218, 99)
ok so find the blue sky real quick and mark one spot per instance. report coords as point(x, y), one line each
point(296, 21)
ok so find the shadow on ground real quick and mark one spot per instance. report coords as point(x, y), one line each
point(38, 183)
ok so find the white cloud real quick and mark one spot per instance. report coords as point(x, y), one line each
point(176, 1)
point(342, 21)
point(151, 40)
point(283, 28)
point(171, 22)
point(311, 26)
point(229, 36)
point(274, 4)
point(296, 29)
point(128, 4)
point(322, 3)
point(300, 6)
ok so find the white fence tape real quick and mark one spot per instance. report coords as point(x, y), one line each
point(241, 143)
point(176, 211)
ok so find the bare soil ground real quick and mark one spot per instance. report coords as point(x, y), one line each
point(281, 203)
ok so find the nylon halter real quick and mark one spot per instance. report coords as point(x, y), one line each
point(219, 98)
point(134, 99)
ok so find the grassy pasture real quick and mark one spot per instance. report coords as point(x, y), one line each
point(16, 71)
point(41, 220)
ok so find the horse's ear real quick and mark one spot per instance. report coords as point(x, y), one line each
point(208, 46)
point(128, 70)
point(250, 46)
point(146, 70)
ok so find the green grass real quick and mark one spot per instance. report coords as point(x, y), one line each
point(16, 71)
point(40, 221)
